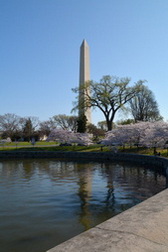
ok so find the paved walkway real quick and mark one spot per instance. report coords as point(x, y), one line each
point(143, 227)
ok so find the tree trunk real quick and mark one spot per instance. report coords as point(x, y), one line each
point(109, 125)
point(109, 120)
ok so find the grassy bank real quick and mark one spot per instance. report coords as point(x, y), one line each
point(51, 146)
point(20, 144)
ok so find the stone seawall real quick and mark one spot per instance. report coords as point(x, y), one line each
point(95, 156)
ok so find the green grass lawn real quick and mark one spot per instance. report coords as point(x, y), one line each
point(14, 144)
point(48, 146)
point(51, 146)
point(144, 151)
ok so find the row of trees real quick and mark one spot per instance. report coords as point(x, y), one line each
point(146, 134)
point(18, 128)
point(26, 128)
point(110, 95)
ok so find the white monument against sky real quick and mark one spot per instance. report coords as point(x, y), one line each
point(84, 76)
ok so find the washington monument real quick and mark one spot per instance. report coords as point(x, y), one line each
point(84, 76)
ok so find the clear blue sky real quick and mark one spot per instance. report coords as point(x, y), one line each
point(39, 50)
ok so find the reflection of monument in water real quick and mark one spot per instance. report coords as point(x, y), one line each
point(85, 193)
point(84, 76)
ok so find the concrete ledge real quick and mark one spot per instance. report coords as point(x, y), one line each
point(153, 161)
point(96, 156)
point(143, 227)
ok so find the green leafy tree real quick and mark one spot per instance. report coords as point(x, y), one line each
point(125, 122)
point(109, 96)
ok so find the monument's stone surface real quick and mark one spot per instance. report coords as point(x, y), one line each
point(84, 76)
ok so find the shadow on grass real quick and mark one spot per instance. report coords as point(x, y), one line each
point(94, 148)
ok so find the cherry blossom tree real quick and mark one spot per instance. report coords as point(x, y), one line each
point(60, 135)
point(125, 134)
point(156, 135)
point(147, 134)
point(69, 137)
point(82, 139)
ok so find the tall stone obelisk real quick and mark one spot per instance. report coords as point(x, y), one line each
point(84, 76)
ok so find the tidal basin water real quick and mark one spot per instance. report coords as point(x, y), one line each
point(45, 202)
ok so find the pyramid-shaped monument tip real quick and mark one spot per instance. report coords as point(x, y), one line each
point(84, 43)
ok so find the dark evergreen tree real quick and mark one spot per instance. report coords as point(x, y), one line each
point(82, 124)
point(28, 130)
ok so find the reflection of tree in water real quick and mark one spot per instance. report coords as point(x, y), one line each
point(59, 169)
point(23, 169)
point(133, 182)
point(110, 199)
point(129, 184)
point(26, 168)
point(139, 183)
point(108, 208)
